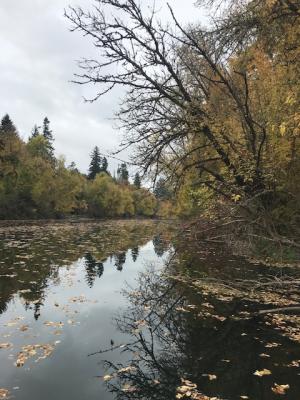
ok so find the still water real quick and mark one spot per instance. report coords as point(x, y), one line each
point(127, 310)
point(61, 288)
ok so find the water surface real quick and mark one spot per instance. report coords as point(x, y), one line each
point(60, 289)
point(126, 310)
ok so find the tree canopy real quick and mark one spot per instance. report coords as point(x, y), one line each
point(36, 184)
point(214, 109)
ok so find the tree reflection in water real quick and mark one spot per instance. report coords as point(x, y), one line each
point(160, 245)
point(120, 260)
point(134, 253)
point(33, 255)
point(181, 333)
point(93, 268)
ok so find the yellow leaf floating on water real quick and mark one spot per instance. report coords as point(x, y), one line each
point(24, 328)
point(271, 345)
point(4, 393)
point(130, 368)
point(280, 389)
point(5, 345)
point(107, 378)
point(28, 351)
point(189, 390)
point(54, 324)
point(128, 388)
point(211, 377)
point(264, 355)
point(263, 372)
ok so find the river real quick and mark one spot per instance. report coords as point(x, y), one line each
point(106, 310)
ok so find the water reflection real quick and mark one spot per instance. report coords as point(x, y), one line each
point(161, 245)
point(120, 260)
point(203, 333)
point(32, 256)
point(94, 269)
point(134, 253)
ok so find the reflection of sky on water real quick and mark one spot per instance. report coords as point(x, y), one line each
point(190, 332)
point(87, 323)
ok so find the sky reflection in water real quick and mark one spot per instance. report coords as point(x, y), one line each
point(63, 286)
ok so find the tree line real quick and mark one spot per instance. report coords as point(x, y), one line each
point(36, 184)
point(214, 109)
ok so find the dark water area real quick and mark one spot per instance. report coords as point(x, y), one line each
point(156, 321)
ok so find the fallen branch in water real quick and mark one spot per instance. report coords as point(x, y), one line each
point(279, 310)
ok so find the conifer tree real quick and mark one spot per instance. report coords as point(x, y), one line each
point(104, 165)
point(7, 126)
point(47, 133)
point(137, 181)
point(95, 164)
point(161, 190)
point(123, 173)
point(35, 131)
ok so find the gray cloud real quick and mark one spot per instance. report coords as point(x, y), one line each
point(37, 62)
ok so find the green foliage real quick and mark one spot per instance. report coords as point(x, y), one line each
point(95, 165)
point(47, 133)
point(217, 112)
point(104, 165)
point(162, 189)
point(137, 181)
point(144, 203)
point(7, 127)
point(122, 174)
point(34, 184)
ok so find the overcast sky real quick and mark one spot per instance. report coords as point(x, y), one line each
point(37, 62)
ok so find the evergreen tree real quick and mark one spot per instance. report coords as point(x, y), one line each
point(104, 165)
point(72, 167)
point(162, 190)
point(35, 131)
point(137, 181)
point(7, 126)
point(46, 129)
point(95, 164)
point(123, 173)
point(47, 133)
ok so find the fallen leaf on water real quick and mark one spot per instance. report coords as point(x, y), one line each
point(128, 388)
point(130, 368)
point(4, 393)
point(189, 390)
point(211, 377)
point(263, 372)
point(24, 328)
point(295, 363)
point(28, 351)
point(274, 344)
point(55, 324)
point(280, 389)
point(11, 323)
point(5, 345)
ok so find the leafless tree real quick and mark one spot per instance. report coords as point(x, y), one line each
point(169, 73)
